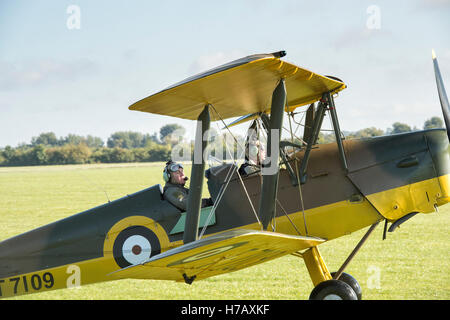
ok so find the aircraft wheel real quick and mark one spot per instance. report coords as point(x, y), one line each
point(333, 290)
point(348, 279)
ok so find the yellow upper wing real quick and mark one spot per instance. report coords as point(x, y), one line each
point(218, 254)
point(237, 88)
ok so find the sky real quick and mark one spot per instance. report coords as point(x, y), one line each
point(75, 66)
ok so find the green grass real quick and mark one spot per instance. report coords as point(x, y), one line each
point(412, 263)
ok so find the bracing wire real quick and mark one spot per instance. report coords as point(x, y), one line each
point(298, 182)
point(287, 216)
point(97, 185)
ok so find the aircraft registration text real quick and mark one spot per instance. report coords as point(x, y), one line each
point(27, 283)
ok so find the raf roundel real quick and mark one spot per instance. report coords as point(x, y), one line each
point(135, 245)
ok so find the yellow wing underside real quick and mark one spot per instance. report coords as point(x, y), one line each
point(223, 253)
point(239, 90)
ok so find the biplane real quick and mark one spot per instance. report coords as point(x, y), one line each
point(314, 193)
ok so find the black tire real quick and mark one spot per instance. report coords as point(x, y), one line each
point(333, 290)
point(348, 279)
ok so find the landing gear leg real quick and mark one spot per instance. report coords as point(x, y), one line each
point(317, 268)
point(326, 288)
point(338, 285)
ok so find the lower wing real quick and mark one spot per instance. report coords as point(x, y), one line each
point(222, 253)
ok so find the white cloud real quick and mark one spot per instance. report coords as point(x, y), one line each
point(355, 36)
point(34, 73)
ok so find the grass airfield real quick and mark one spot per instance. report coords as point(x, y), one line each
point(411, 264)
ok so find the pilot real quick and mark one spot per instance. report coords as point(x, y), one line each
point(255, 152)
point(174, 190)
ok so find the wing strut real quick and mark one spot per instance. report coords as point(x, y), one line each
point(270, 180)
point(196, 185)
point(309, 122)
point(312, 138)
point(337, 130)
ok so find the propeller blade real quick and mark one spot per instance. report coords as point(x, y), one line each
point(442, 94)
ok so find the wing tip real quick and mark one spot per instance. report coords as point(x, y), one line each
point(433, 54)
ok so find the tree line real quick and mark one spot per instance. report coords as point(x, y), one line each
point(129, 146)
point(122, 146)
point(397, 127)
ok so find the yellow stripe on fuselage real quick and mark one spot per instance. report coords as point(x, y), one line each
point(66, 276)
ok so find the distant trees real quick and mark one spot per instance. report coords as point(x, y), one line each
point(434, 122)
point(41, 155)
point(90, 141)
point(46, 139)
point(122, 146)
point(397, 127)
point(366, 133)
point(69, 154)
point(171, 133)
point(50, 139)
point(130, 140)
